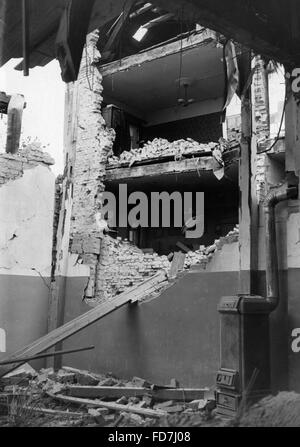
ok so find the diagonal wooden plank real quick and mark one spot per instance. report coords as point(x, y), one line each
point(116, 392)
point(110, 406)
point(83, 321)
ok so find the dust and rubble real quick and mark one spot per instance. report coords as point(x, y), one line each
point(72, 397)
point(204, 255)
point(123, 265)
point(49, 398)
point(282, 410)
point(160, 148)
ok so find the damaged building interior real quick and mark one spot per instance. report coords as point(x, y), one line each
point(148, 106)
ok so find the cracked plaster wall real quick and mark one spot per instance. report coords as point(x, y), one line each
point(26, 230)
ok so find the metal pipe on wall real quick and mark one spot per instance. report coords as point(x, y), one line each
point(276, 196)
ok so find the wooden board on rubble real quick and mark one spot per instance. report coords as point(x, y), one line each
point(116, 392)
point(162, 167)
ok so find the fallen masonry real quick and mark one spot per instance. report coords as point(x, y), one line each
point(43, 398)
point(161, 149)
point(123, 265)
point(30, 398)
point(12, 166)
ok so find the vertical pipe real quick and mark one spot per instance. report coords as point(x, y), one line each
point(272, 274)
point(25, 32)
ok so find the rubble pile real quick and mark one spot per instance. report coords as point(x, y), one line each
point(48, 399)
point(282, 410)
point(122, 265)
point(160, 148)
point(205, 254)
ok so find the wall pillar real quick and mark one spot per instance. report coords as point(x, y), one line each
point(248, 188)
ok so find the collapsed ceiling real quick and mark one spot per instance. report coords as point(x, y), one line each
point(271, 27)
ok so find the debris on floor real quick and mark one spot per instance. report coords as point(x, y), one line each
point(282, 410)
point(161, 148)
point(71, 397)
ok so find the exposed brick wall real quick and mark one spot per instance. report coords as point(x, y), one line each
point(262, 121)
point(114, 265)
point(123, 265)
point(12, 166)
point(88, 149)
point(203, 129)
point(261, 100)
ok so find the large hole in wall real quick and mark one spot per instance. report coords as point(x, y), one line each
point(175, 95)
point(176, 92)
point(221, 204)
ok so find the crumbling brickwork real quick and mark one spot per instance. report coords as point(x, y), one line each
point(123, 265)
point(12, 166)
point(86, 161)
point(114, 265)
point(262, 121)
point(161, 148)
point(261, 100)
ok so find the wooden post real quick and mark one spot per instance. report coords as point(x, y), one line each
point(26, 42)
point(248, 213)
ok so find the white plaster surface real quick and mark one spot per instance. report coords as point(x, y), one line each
point(225, 260)
point(26, 223)
point(293, 240)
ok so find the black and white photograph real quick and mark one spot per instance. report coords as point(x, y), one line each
point(149, 216)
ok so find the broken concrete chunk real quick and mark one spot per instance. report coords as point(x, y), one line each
point(62, 377)
point(198, 404)
point(131, 419)
point(57, 388)
point(42, 378)
point(25, 369)
point(174, 383)
point(148, 399)
point(96, 414)
point(123, 401)
point(108, 382)
point(133, 400)
point(138, 382)
point(84, 378)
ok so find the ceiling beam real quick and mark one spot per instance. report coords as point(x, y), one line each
point(203, 38)
point(202, 12)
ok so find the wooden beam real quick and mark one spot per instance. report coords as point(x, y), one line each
point(14, 123)
point(110, 406)
point(115, 34)
point(198, 39)
point(187, 165)
point(157, 169)
point(43, 356)
point(116, 392)
point(83, 321)
point(26, 38)
point(218, 16)
point(248, 212)
point(177, 264)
